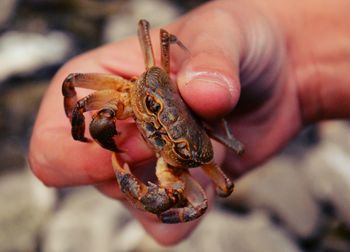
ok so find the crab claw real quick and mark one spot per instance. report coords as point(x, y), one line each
point(151, 197)
point(102, 129)
point(78, 124)
point(157, 199)
point(185, 214)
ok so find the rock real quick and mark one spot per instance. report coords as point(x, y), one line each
point(223, 232)
point(278, 188)
point(25, 206)
point(12, 156)
point(124, 23)
point(336, 132)
point(18, 107)
point(7, 9)
point(327, 171)
point(86, 221)
point(129, 238)
point(22, 53)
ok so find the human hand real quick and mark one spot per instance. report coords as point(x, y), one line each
point(254, 56)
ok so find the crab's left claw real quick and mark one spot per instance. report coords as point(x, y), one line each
point(102, 129)
point(78, 124)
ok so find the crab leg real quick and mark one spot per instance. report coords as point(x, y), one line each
point(196, 204)
point(112, 105)
point(145, 42)
point(151, 197)
point(168, 178)
point(229, 140)
point(224, 184)
point(165, 50)
point(165, 40)
point(95, 81)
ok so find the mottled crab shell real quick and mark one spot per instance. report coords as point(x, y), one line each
point(166, 123)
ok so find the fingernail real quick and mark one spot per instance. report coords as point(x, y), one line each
point(214, 79)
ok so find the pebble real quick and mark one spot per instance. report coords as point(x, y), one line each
point(85, 221)
point(22, 53)
point(278, 188)
point(327, 171)
point(124, 23)
point(222, 232)
point(26, 205)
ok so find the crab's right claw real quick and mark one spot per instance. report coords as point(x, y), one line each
point(195, 205)
point(152, 198)
point(224, 186)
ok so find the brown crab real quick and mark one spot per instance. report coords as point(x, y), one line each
point(179, 140)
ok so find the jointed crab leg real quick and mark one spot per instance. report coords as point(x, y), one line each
point(112, 105)
point(128, 183)
point(151, 197)
point(95, 81)
point(112, 99)
point(229, 140)
point(224, 185)
point(165, 50)
point(145, 42)
point(168, 178)
point(195, 206)
point(165, 40)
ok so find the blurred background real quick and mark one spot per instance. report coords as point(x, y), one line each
point(298, 201)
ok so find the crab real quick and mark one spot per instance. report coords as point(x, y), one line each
point(178, 138)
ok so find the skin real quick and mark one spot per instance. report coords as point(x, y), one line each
point(279, 64)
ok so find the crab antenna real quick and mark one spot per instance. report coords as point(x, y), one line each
point(145, 42)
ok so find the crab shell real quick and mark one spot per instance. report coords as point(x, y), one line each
point(166, 123)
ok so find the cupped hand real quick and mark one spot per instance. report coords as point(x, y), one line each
point(243, 65)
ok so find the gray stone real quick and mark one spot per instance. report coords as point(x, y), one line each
point(86, 221)
point(278, 188)
point(124, 23)
point(223, 232)
point(25, 206)
point(336, 132)
point(327, 171)
point(22, 53)
point(130, 237)
point(18, 107)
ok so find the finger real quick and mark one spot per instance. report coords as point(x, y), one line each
point(209, 79)
point(111, 189)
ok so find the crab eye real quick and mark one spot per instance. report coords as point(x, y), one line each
point(182, 150)
point(152, 105)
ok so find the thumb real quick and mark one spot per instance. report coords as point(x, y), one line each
point(208, 79)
